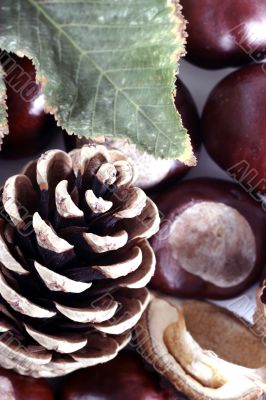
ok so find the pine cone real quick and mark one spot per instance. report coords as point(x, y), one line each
point(74, 260)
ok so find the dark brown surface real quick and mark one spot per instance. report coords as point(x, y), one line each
point(234, 125)
point(125, 378)
point(170, 277)
point(225, 33)
point(17, 387)
point(30, 127)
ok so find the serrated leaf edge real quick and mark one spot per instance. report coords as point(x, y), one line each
point(179, 32)
point(4, 130)
point(188, 157)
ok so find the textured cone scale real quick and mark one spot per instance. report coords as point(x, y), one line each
point(74, 260)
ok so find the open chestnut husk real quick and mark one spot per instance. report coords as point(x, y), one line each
point(155, 174)
point(203, 350)
point(17, 387)
point(211, 241)
point(125, 377)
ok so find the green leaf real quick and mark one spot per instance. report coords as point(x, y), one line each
point(3, 111)
point(107, 66)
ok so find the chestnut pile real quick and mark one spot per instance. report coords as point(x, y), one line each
point(211, 242)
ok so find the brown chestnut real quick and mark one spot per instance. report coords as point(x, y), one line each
point(17, 387)
point(211, 241)
point(223, 33)
point(30, 128)
point(234, 126)
point(155, 174)
point(124, 378)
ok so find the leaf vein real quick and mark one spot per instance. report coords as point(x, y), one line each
point(95, 101)
point(82, 51)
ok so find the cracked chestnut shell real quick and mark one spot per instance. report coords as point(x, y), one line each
point(125, 377)
point(155, 174)
point(225, 33)
point(202, 349)
point(237, 141)
point(211, 240)
point(16, 387)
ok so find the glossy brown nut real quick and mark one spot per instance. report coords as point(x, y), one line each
point(234, 126)
point(17, 387)
point(186, 107)
point(30, 128)
point(124, 378)
point(213, 229)
point(225, 33)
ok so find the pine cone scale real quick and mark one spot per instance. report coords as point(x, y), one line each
point(20, 303)
point(93, 314)
point(102, 244)
point(6, 257)
point(60, 283)
point(65, 344)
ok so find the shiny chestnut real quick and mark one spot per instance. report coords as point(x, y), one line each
point(17, 387)
point(124, 378)
point(211, 241)
point(30, 128)
point(223, 33)
point(234, 126)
